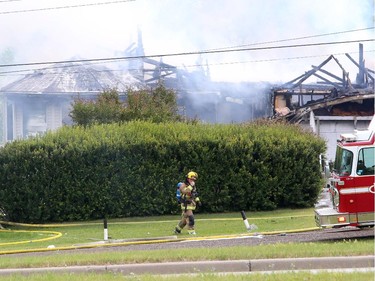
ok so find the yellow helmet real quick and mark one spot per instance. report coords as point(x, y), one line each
point(192, 175)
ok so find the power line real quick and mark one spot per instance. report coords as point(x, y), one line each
point(22, 71)
point(296, 38)
point(3, 1)
point(190, 53)
point(64, 7)
point(236, 46)
point(280, 59)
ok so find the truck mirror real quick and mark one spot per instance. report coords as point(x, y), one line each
point(327, 171)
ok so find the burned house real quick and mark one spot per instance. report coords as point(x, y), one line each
point(330, 107)
point(198, 96)
point(41, 101)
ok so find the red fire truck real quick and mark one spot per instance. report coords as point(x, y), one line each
point(350, 190)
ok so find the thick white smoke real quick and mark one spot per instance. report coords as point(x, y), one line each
point(57, 30)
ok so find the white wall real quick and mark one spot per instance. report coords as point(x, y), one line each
point(331, 127)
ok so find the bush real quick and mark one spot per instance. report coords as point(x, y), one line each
point(132, 170)
point(153, 105)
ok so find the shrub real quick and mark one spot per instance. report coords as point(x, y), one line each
point(132, 169)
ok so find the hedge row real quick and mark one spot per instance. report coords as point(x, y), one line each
point(132, 170)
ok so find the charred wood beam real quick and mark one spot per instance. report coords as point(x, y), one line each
point(307, 93)
point(329, 74)
point(158, 77)
point(365, 70)
point(339, 64)
point(350, 86)
point(297, 118)
point(311, 72)
point(159, 71)
point(327, 81)
point(345, 75)
point(159, 64)
point(361, 72)
point(369, 75)
point(294, 80)
point(129, 49)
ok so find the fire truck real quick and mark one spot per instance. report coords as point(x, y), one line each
point(350, 190)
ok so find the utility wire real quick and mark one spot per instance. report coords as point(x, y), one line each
point(191, 53)
point(236, 46)
point(64, 7)
point(23, 71)
point(296, 38)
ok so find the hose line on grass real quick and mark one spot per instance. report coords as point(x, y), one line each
point(125, 243)
point(158, 241)
point(54, 233)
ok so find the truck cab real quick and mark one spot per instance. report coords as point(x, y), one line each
point(350, 190)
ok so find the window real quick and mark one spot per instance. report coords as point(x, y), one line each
point(366, 162)
point(343, 162)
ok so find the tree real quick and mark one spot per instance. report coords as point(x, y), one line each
point(107, 108)
point(154, 105)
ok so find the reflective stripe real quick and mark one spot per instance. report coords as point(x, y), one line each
point(188, 207)
point(372, 189)
point(355, 190)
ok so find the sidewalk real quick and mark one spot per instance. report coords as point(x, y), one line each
point(210, 266)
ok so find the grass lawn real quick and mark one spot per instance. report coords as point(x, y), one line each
point(29, 238)
point(21, 237)
point(288, 276)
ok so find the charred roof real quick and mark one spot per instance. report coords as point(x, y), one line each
point(70, 78)
point(333, 96)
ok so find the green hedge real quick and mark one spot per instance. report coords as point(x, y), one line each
point(132, 170)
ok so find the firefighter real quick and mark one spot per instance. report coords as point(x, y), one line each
point(189, 201)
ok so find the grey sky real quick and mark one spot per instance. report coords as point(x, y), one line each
point(174, 26)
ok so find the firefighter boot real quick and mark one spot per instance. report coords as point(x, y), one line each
point(180, 226)
point(177, 230)
point(191, 229)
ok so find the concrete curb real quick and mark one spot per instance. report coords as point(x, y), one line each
point(313, 263)
point(209, 266)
